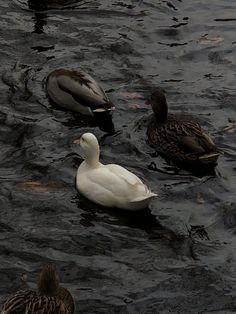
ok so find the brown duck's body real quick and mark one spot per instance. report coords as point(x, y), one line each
point(43, 301)
point(180, 140)
point(76, 90)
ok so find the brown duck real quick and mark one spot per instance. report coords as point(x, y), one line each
point(76, 90)
point(50, 298)
point(178, 139)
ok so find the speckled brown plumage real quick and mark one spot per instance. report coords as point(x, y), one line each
point(177, 139)
point(49, 299)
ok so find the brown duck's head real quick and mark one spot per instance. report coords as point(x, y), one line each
point(159, 105)
point(48, 283)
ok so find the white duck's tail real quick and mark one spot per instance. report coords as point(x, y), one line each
point(142, 202)
point(146, 197)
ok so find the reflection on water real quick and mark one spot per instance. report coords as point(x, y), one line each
point(50, 4)
point(38, 6)
point(41, 7)
point(160, 260)
point(39, 22)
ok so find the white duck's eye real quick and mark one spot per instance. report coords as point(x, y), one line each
point(82, 139)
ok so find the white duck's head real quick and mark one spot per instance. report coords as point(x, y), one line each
point(90, 146)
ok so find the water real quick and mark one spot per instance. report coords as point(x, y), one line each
point(177, 257)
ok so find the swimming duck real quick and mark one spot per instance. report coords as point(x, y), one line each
point(77, 91)
point(50, 298)
point(109, 185)
point(178, 139)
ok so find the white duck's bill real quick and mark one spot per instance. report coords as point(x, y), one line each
point(77, 141)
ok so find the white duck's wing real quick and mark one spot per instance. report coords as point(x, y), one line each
point(84, 89)
point(141, 189)
point(108, 188)
point(130, 177)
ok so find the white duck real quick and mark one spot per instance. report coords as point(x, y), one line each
point(77, 91)
point(109, 185)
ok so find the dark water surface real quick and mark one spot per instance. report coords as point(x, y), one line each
point(156, 261)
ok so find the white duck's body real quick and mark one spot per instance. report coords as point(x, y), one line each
point(109, 185)
point(77, 91)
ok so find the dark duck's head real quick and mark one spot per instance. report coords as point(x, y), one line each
point(159, 105)
point(48, 283)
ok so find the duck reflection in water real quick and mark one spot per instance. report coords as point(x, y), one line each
point(40, 16)
point(48, 4)
point(40, 8)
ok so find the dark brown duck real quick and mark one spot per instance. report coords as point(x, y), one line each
point(180, 140)
point(50, 298)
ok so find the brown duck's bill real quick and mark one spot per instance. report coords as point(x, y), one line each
point(77, 141)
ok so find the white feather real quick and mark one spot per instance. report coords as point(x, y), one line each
point(109, 185)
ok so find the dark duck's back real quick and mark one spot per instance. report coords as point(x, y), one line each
point(50, 298)
point(180, 140)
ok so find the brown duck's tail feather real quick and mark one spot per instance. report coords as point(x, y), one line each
point(104, 109)
point(220, 151)
point(210, 158)
point(107, 106)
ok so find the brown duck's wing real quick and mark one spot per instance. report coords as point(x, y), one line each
point(17, 303)
point(180, 139)
point(193, 139)
point(190, 143)
point(89, 81)
point(164, 140)
point(67, 299)
point(46, 305)
point(84, 89)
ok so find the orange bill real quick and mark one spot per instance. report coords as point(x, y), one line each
point(77, 141)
